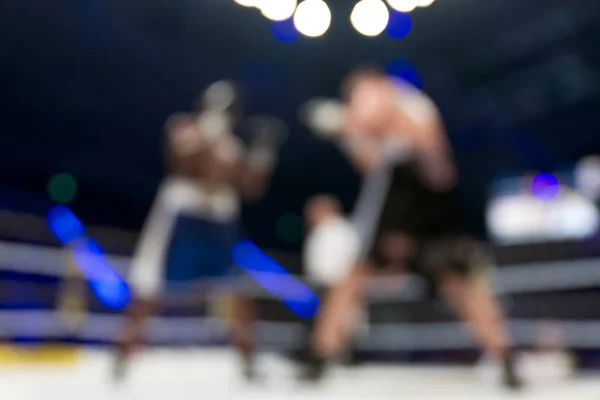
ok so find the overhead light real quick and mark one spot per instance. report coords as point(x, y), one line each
point(278, 10)
point(312, 18)
point(370, 17)
point(424, 3)
point(248, 3)
point(403, 5)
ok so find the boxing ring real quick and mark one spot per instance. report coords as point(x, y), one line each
point(196, 362)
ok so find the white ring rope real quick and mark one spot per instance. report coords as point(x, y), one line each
point(534, 277)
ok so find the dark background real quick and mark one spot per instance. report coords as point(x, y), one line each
point(86, 85)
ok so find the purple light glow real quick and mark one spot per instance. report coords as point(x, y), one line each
point(545, 187)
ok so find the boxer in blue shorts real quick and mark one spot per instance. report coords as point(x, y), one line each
point(194, 221)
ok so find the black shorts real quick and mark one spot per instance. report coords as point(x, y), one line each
point(436, 257)
point(431, 221)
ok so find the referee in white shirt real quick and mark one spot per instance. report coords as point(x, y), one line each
point(330, 252)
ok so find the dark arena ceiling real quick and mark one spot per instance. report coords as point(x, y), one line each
point(85, 86)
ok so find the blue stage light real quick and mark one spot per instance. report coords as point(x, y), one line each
point(285, 31)
point(115, 295)
point(400, 25)
point(65, 226)
point(275, 279)
point(545, 187)
point(105, 281)
point(402, 69)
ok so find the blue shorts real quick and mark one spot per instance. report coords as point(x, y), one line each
point(200, 250)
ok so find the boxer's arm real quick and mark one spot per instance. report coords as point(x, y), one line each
point(333, 121)
point(364, 155)
point(364, 152)
point(254, 174)
point(421, 118)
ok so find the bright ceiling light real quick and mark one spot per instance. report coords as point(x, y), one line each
point(278, 10)
point(248, 3)
point(424, 3)
point(312, 18)
point(370, 17)
point(403, 5)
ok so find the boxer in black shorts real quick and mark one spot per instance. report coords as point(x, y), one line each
point(394, 136)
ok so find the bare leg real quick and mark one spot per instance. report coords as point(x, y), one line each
point(243, 334)
point(131, 338)
point(332, 326)
point(478, 307)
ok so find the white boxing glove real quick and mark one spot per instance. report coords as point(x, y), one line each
point(323, 116)
point(219, 96)
point(214, 124)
